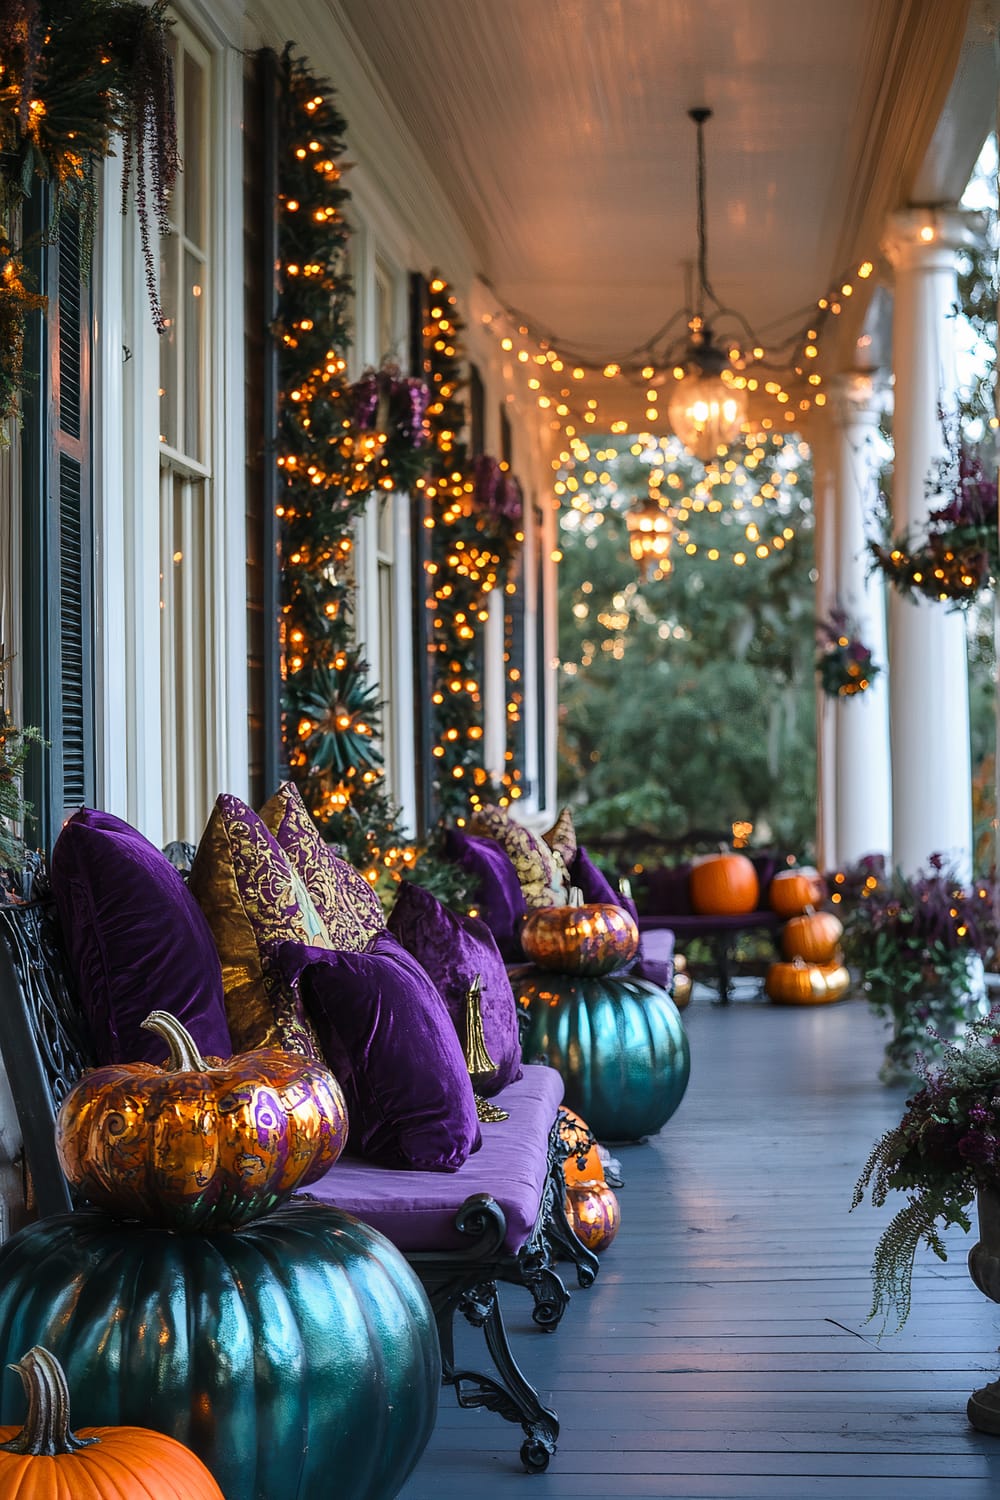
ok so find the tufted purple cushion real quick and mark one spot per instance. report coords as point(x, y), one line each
point(453, 949)
point(416, 1210)
point(387, 1035)
point(501, 900)
point(595, 885)
point(137, 940)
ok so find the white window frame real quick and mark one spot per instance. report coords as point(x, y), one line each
point(130, 728)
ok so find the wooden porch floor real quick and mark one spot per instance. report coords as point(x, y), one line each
point(723, 1351)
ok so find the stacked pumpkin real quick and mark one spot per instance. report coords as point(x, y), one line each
point(591, 1205)
point(813, 972)
point(266, 1336)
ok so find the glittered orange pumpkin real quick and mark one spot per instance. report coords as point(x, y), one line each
point(585, 1164)
point(723, 885)
point(801, 983)
point(814, 936)
point(594, 1215)
point(791, 891)
point(591, 939)
point(45, 1460)
point(188, 1146)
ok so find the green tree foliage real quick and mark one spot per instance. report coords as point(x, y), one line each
point(688, 702)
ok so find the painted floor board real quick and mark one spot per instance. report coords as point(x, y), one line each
point(724, 1352)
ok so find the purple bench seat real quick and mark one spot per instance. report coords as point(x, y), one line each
point(416, 1210)
point(691, 925)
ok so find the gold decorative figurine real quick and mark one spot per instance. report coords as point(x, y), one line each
point(477, 1058)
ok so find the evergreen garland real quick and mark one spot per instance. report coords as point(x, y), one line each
point(475, 521)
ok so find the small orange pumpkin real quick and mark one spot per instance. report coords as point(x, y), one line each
point(45, 1460)
point(590, 939)
point(585, 1164)
point(723, 885)
point(189, 1146)
point(801, 983)
point(814, 936)
point(791, 891)
point(594, 1214)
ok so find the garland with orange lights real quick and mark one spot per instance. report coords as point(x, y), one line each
point(475, 519)
point(331, 463)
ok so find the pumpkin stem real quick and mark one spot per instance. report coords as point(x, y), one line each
point(575, 896)
point(46, 1432)
point(184, 1056)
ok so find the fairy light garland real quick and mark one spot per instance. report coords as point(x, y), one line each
point(330, 467)
point(559, 377)
point(474, 516)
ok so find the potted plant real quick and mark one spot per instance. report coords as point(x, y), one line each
point(918, 943)
point(944, 1154)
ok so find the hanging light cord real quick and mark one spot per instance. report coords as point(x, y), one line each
point(699, 116)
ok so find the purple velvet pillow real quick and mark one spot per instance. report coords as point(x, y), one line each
point(137, 941)
point(766, 865)
point(387, 1035)
point(499, 895)
point(452, 950)
point(667, 891)
point(595, 885)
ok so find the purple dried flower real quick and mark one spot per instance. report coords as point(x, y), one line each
point(366, 395)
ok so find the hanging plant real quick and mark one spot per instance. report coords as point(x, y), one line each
point(16, 302)
point(338, 706)
point(844, 664)
point(77, 73)
point(957, 554)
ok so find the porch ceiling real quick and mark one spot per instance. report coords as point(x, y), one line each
point(559, 130)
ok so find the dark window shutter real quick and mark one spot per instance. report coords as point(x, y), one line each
point(58, 529)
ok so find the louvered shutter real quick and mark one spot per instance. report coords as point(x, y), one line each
point(59, 551)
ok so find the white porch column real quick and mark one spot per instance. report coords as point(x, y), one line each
point(825, 545)
point(929, 692)
point(861, 736)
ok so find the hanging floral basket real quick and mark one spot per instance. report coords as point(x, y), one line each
point(957, 555)
point(844, 664)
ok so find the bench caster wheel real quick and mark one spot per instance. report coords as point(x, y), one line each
point(535, 1455)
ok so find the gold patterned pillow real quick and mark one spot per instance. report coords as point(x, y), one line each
point(349, 908)
point(541, 871)
point(561, 837)
point(252, 899)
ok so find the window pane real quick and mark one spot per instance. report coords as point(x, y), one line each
point(194, 323)
point(169, 417)
point(193, 147)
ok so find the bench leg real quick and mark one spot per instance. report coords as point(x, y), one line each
point(722, 957)
point(566, 1246)
point(510, 1395)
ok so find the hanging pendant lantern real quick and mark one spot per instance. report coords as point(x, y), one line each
point(707, 408)
point(650, 533)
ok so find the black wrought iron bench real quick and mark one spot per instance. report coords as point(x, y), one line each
point(486, 1238)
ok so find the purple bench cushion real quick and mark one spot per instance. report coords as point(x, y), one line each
point(655, 961)
point(667, 890)
point(416, 1210)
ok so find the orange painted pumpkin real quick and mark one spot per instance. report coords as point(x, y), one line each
point(591, 939)
point(801, 983)
point(189, 1146)
point(723, 885)
point(594, 1214)
point(585, 1164)
point(814, 936)
point(45, 1460)
point(791, 891)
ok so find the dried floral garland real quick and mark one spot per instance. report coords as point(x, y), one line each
point(844, 664)
point(957, 555)
point(16, 302)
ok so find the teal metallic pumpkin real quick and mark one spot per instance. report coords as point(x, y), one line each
point(619, 1044)
point(297, 1356)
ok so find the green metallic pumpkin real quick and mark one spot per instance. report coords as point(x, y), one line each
point(297, 1356)
point(619, 1044)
